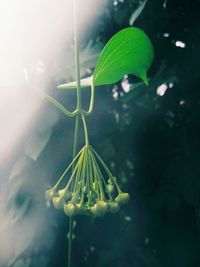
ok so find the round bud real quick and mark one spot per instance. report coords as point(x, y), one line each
point(49, 194)
point(122, 198)
point(100, 208)
point(58, 202)
point(94, 210)
point(61, 192)
point(110, 188)
point(64, 194)
point(114, 207)
point(70, 209)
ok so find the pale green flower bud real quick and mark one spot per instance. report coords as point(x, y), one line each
point(70, 209)
point(100, 208)
point(110, 188)
point(122, 198)
point(58, 202)
point(49, 194)
point(65, 194)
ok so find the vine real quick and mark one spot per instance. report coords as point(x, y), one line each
point(91, 188)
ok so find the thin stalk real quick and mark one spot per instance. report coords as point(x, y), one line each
point(103, 163)
point(58, 105)
point(107, 170)
point(71, 178)
point(78, 173)
point(95, 175)
point(85, 131)
point(99, 176)
point(78, 78)
point(75, 145)
point(87, 173)
point(77, 62)
point(79, 106)
point(82, 181)
point(91, 172)
point(82, 176)
point(64, 173)
point(91, 107)
point(70, 241)
point(75, 148)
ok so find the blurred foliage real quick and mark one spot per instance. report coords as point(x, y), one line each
point(149, 137)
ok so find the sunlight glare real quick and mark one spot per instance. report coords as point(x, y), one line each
point(33, 35)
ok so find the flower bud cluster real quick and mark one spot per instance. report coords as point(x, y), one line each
point(91, 188)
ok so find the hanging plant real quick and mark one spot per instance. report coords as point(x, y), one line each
point(90, 187)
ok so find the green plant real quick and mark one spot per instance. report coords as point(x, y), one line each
point(91, 188)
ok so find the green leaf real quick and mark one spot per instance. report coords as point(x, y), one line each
point(128, 52)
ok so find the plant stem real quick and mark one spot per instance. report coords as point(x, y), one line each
point(58, 105)
point(91, 107)
point(79, 106)
point(85, 131)
point(75, 148)
point(70, 241)
point(77, 63)
point(69, 166)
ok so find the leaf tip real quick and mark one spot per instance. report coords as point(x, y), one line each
point(144, 78)
point(146, 82)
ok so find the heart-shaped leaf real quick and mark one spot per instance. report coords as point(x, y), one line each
point(128, 52)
